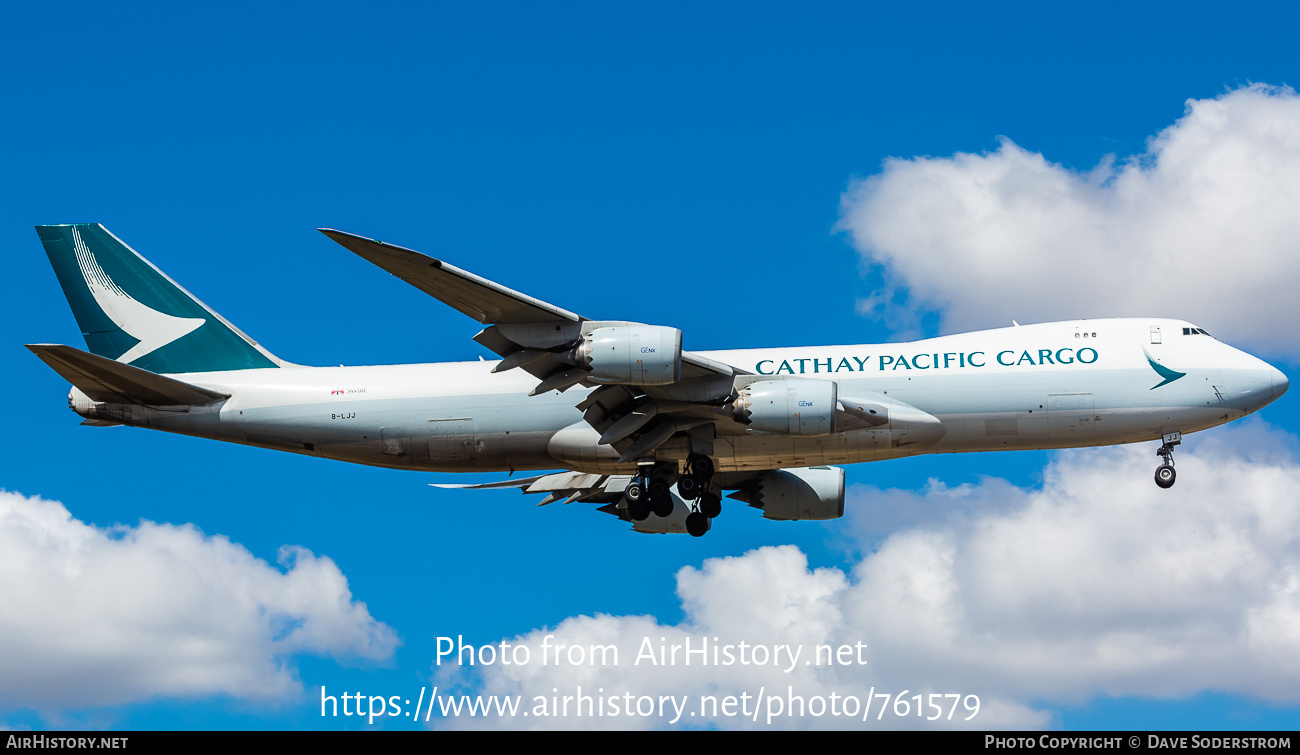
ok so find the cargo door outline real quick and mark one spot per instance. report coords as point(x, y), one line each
point(1070, 414)
point(395, 442)
point(452, 440)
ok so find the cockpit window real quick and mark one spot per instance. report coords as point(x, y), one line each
point(1195, 332)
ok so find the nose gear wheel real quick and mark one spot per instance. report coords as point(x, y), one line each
point(1165, 474)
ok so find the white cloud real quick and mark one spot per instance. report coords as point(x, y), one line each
point(768, 597)
point(1097, 583)
point(92, 616)
point(1203, 226)
point(1102, 583)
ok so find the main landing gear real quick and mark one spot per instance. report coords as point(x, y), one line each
point(694, 486)
point(1165, 474)
point(648, 493)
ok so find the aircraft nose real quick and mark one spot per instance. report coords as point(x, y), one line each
point(1253, 383)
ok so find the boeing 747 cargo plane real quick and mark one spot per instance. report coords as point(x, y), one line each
point(652, 434)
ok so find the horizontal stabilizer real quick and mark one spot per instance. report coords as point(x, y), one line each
point(485, 301)
point(103, 379)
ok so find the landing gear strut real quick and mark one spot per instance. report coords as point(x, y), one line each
point(694, 486)
point(699, 472)
point(1165, 474)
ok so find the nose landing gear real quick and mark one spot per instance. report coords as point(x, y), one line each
point(1165, 474)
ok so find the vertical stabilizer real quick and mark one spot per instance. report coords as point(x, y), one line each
point(131, 312)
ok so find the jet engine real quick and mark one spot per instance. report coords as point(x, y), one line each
point(787, 407)
point(792, 494)
point(637, 354)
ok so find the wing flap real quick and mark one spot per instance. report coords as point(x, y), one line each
point(103, 379)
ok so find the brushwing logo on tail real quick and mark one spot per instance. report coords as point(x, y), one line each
point(1163, 371)
point(153, 329)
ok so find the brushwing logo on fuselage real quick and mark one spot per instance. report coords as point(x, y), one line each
point(153, 329)
point(1163, 371)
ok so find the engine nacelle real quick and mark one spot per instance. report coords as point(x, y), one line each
point(636, 354)
point(788, 407)
point(793, 494)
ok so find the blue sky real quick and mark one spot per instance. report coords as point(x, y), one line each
point(748, 173)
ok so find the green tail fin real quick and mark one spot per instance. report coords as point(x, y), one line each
point(130, 311)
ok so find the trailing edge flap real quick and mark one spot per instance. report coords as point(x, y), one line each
point(102, 379)
point(485, 301)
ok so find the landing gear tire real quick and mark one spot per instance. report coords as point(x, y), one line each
point(1165, 476)
point(688, 486)
point(710, 505)
point(697, 524)
point(661, 499)
point(636, 498)
point(702, 466)
point(662, 507)
point(638, 511)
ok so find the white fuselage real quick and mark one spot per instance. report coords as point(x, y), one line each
point(1053, 385)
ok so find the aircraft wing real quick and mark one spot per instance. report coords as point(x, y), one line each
point(488, 302)
point(634, 415)
point(560, 486)
point(603, 490)
point(485, 301)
